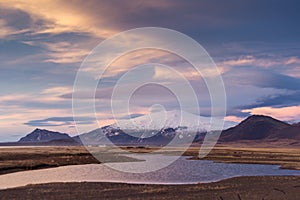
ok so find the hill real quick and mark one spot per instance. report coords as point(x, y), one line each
point(42, 135)
point(290, 132)
point(259, 127)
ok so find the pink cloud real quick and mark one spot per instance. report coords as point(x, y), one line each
point(284, 113)
point(233, 118)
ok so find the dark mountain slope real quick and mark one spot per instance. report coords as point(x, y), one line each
point(42, 135)
point(255, 127)
point(291, 132)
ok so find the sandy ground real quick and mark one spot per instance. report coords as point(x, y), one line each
point(236, 188)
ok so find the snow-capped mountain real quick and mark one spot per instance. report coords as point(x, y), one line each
point(155, 128)
point(175, 119)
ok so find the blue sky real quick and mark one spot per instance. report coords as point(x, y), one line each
point(255, 44)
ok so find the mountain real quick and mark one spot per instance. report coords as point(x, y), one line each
point(157, 128)
point(169, 119)
point(258, 127)
point(42, 135)
point(107, 135)
point(290, 132)
point(160, 128)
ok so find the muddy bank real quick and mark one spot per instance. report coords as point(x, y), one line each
point(272, 187)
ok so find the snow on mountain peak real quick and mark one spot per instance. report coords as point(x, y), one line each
point(169, 119)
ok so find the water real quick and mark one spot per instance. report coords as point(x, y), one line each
point(181, 172)
point(17, 147)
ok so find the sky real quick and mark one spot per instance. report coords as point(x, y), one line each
point(255, 45)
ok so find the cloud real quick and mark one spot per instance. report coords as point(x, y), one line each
point(56, 91)
point(12, 23)
point(292, 60)
point(285, 65)
point(283, 113)
point(103, 18)
point(4, 30)
point(249, 89)
point(264, 78)
point(59, 16)
point(250, 60)
point(59, 51)
point(32, 101)
point(233, 118)
point(129, 60)
point(60, 121)
point(98, 18)
point(48, 100)
point(179, 72)
point(131, 116)
point(246, 60)
point(277, 100)
point(65, 52)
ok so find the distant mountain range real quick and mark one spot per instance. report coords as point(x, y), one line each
point(169, 119)
point(158, 128)
point(144, 131)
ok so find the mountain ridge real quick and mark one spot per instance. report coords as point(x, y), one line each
point(253, 128)
point(169, 119)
